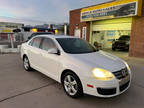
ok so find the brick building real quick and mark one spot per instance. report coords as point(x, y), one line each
point(108, 21)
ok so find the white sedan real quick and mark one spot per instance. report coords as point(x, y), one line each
point(80, 67)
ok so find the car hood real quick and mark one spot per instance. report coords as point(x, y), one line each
point(100, 59)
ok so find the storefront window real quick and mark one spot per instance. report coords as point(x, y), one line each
point(105, 38)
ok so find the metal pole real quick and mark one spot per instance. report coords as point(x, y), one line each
point(65, 29)
point(0, 36)
point(12, 45)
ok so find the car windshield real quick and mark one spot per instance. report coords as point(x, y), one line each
point(127, 38)
point(75, 45)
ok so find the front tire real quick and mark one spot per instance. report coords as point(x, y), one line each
point(72, 85)
point(26, 64)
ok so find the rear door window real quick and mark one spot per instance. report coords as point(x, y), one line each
point(47, 44)
point(36, 42)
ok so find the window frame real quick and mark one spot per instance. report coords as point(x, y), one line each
point(30, 42)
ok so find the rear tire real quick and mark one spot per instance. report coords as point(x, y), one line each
point(26, 64)
point(72, 85)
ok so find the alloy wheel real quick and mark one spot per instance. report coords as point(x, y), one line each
point(70, 85)
point(26, 63)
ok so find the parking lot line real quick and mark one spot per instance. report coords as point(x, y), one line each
point(26, 92)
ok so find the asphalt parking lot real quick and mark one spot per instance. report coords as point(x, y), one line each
point(21, 89)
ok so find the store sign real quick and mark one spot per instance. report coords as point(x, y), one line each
point(116, 9)
point(6, 31)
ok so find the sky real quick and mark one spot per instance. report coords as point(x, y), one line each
point(40, 11)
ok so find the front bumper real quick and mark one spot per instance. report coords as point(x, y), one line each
point(107, 88)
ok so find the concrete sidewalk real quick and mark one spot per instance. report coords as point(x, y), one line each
point(21, 89)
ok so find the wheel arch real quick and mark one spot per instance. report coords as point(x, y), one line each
point(24, 55)
point(68, 70)
point(79, 81)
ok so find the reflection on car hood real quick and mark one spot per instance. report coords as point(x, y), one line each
point(101, 59)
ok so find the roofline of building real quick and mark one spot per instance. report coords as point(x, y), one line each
point(44, 28)
point(92, 5)
point(12, 23)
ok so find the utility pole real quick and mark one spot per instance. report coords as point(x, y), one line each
point(11, 40)
point(65, 29)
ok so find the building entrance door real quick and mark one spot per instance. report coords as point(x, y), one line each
point(98, 37)
point(77, 33)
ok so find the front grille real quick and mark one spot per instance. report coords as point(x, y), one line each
point(120, 44)
point(124, 86)
point(121, 73)
point(110, 91)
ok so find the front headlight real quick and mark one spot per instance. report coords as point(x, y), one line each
point(101, 74)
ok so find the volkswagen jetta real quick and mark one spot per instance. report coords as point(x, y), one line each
point(77, 65)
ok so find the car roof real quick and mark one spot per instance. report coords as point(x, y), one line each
point(56, 36)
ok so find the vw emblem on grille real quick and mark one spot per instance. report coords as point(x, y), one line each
point(124, 73)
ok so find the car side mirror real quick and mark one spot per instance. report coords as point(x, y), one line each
point(54, 51)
